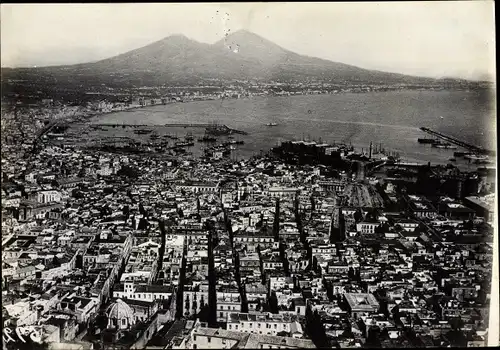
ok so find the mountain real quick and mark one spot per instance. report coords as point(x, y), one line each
point(179, 60)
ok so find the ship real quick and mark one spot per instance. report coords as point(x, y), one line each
point(207, 138)
point(426, 141)
point(483, 161)
point(271, 124)
point(189, 137)
point(475, 157)
point(452, 160)
point(184, 144)
point(460, 154)
point(143, 131)
point(444, 145)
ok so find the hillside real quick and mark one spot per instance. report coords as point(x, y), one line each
point(180, 60)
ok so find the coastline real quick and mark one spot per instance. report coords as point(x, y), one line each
point(264, 96)
point(91, 118)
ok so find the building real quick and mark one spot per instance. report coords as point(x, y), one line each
point(264, 323)
point(420, 207)
point(282, 192)
point(144, 292)
point(332, 186)
point(456, 211)
point(195, 298)
point(227, 302)
point(408, 225)
point(367, 226)
point(361, 303)
point(199, 187)
point(483, 206)
point(202, 337)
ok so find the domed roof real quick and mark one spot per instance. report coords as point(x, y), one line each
point(120, 310)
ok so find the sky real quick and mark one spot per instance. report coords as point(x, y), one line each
point(435, 39)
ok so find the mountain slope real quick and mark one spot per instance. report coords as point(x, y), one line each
point(178, 59)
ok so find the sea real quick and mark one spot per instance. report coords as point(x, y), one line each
point(389, 120)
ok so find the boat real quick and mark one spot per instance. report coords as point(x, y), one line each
point(142, 131)
point(154, 136)
point(207, 138)
point(240, 142)
point(475, 157)
point(426, 141)
point(189, 137)
point(460, 154)
point(483, 161)
point(179, 150)
point(452, 160)
point(444, 145)
point(184, 144)
point(271, 124)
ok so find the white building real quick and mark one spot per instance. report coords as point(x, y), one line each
point(143, 292)
point(264, 323)
point(49, 196)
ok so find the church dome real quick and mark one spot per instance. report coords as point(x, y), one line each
point(120, 312)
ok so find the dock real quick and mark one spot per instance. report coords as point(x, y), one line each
point(173, 125)
point(451, 139)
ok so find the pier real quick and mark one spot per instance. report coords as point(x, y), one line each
point(179, 125)
point(220, 127)
point(457, 142)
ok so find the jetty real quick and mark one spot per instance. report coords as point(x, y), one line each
point(451, 139)
point(217, 128)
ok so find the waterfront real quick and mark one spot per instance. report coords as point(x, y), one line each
point(388, 118)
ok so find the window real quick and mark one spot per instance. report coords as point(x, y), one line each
point(221, 314)
point(208, 339)
point(251, 324)
point(230, 326)
point(124, 321)
point(275, 326)
point(258, 325)
point(194, 337)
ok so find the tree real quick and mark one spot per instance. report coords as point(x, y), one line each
point(143, 224)
point(358, 215)
point(128, 171)
point(56, 262)
point(204, 313)
point(142, 211)
point(276, 224)
point(126, 211)
point(373, 337)
point(273, 303)
point(315, 329)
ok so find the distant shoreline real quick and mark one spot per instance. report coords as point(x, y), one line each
point(146, 107)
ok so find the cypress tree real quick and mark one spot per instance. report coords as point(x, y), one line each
point(276, 224)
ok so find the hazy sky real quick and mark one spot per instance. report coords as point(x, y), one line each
point(422, 38)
